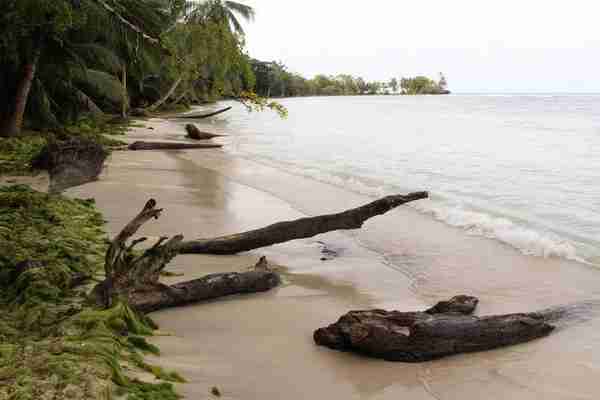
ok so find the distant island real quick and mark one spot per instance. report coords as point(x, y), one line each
point(273, 79)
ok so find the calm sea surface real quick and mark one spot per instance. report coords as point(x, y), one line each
point(522, 169)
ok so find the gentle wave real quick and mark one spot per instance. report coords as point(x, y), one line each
point(527, 240)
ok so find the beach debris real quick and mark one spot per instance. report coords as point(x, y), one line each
point(203, 116)
point(327, 252)
point(299, 229)
point(194, 133)
point(215, 391)
point(134, 277)
point(141, 145)
point(445, 329)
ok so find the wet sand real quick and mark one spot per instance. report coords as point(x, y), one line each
point(260, 346)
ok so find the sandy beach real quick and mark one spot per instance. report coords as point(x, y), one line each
point(260, 346)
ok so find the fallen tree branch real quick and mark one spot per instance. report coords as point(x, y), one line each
point(203, 116)
point(445, 329)
point(134, 278)
point(140, 145)
point(299, 229)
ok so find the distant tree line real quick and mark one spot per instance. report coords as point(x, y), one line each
point(273, 79)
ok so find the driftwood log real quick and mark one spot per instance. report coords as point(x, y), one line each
point(134, 278)
point(298, 229)
point(141, 145)
point(447, 328)
point(194, 133)
point(203, 116)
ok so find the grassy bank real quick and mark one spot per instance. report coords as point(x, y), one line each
point(53, 345)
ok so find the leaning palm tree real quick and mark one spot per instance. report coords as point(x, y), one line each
point(39, 38)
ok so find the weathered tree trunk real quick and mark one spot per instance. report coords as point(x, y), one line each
point(161, 101)
point(445, 329)
point(301, 228)
point(125, 94)
point(203, 116)
point(194, 133)
point(135, 278)
point(14, 123)
point(140, 145)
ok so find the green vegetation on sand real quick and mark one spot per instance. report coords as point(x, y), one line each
point(53, 345)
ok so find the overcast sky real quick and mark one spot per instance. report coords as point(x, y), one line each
point(481, 46)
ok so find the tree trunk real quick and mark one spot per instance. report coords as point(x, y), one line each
point(445, 329)
point(203, 116)
point(14, 123)
point(125, 95)
point(140, 145)
point(134, 278)
point(301, 228)
point(160, 102)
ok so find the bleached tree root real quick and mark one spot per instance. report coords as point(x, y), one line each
point(445, 329)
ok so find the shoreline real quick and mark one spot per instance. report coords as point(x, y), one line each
point(260, 346)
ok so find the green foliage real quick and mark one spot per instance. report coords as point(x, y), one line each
point(274, 80)
point(423, 85)
point(60, 234)
point(53, 344)
point(16, 154)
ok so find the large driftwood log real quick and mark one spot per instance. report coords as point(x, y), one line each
point(140, 145)
point(298, 229)
point(203, 116)
point(445, 329)
point(194, 133)
point(134, 278)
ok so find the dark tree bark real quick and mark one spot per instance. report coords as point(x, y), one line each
point(203, 116)
point(135, 278)
point(140, 145)
point(13, 125)
point(445, 329)
point(301, 228)
point(194, 133)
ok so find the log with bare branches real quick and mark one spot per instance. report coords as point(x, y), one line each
point(134, 277)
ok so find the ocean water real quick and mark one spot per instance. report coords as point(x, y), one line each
point(520, 169)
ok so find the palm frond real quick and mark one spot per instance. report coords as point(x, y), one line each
point(245, 11)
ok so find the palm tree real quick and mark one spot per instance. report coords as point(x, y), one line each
point(220, 11)
point(46, 47)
